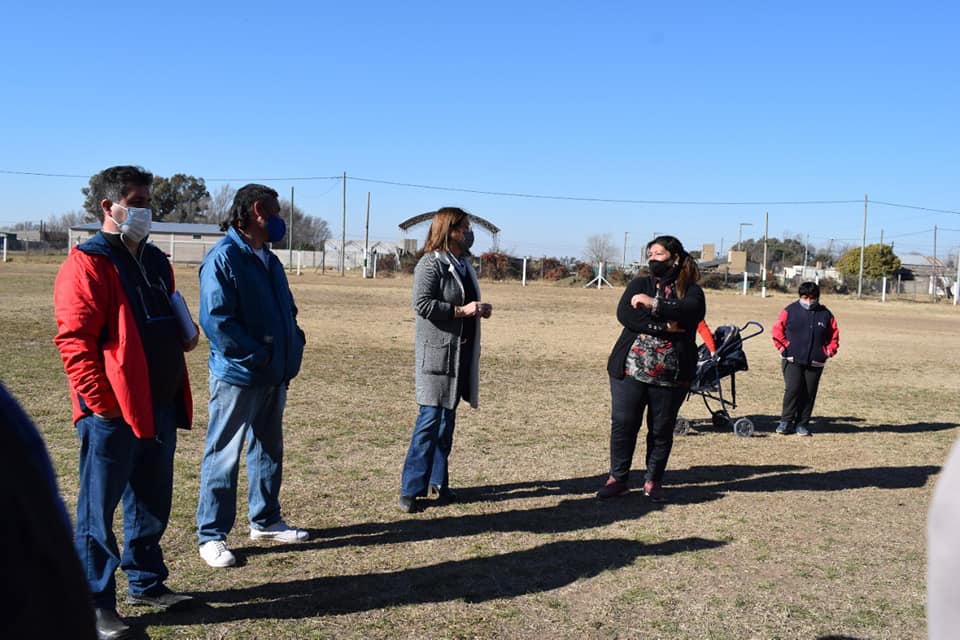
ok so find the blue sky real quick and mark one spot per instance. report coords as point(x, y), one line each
point(700, 102)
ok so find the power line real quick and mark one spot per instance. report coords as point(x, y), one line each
point(910, 206)
point(511, 194)
point(41, 174)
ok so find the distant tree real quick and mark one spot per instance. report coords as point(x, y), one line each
point(309, 233)
point(599, 248)
point(218, 205)
point(878, 260)
point(497, 265)
point(182, 198)
point(784, 253)
point(554, 269)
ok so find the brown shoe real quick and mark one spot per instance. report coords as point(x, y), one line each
point(613, 488)
point(654, 491)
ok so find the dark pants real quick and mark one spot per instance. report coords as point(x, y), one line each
point(800, 384)
point(629, 400)
point(115, 465)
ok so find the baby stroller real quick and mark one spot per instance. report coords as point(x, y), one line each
point(711, 371)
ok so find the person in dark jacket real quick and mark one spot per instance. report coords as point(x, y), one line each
point(653, 362)
point(446, 300)
point(806, 335)
point(40, 564)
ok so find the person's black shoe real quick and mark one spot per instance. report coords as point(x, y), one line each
point(110, 626)
point(443, 494)
point(407, 504)
point(163, 599)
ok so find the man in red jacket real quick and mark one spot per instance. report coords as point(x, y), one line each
point(806, 335)
point(122, 350)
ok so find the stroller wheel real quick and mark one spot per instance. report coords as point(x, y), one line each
point(682, 426)
point(743, 427)
point(720, 419)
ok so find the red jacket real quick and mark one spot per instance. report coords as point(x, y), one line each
point(806, 336)
point(99, 342)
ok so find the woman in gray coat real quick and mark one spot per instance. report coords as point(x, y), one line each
point(446, 299)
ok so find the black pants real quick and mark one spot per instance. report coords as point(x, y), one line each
point(629, 399)
point(800, 384)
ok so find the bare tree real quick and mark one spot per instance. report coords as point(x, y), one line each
point(218, 206)
point(600, 248)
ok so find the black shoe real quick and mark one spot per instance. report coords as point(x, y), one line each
point(444, 494)
point(163, 599)
point(407, 504)
point(612, 488)
point(110, 626)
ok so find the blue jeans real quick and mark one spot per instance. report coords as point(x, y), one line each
point(430, 445)
point(254, 414)
point(115, 465)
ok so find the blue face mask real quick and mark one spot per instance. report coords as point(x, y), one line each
point(276, 229)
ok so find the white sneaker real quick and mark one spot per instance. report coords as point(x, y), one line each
point(216, 554)
point(280, 532)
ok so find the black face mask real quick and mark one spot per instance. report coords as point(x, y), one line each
point(467, 241)
point(660, 268)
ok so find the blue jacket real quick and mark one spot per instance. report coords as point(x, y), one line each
point(248, 314)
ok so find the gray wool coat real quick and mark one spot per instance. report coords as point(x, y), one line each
point(437, 289)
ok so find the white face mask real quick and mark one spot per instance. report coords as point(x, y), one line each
point(137, 225)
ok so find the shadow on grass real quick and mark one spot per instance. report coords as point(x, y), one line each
point(796, 480)
point(699, 484)
point(765, 424)
point(565, 516)
point(543, 568)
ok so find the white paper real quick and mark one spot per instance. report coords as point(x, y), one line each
point(187, 327)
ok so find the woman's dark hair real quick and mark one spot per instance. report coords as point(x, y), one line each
point(810, 290)
point(243, 205)
point(688, 271)
point(445, 220)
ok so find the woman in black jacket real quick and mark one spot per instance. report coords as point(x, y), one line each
point(653, 362)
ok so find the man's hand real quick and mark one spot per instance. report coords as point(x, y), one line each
point(190, 346)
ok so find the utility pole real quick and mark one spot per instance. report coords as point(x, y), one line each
point(863, 248)
point(934, 263)
point(343, 230)
point(763, 270)
point(290, 238)
point(806, 244)
point(623, 264)
point(366, 238)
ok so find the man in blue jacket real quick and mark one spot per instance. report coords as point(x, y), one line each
point(256, 347)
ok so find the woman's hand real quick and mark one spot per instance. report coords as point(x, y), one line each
point(472, 309)
point(641, 300)
point(468, 310)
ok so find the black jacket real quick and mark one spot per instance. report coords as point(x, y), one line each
point(687, 312)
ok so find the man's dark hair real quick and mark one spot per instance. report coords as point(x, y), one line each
point(810, 290)
point(243, 205)
point(115, 183)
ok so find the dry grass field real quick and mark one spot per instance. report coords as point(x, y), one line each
point(764, 537)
